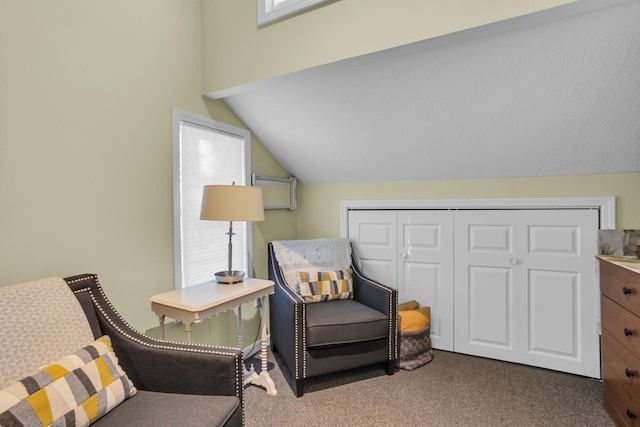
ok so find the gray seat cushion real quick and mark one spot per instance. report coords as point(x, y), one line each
point(343, 322)
point(149, 408)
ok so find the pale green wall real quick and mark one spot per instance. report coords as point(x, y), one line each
point(86, 91)
point(337, 31)
point(319, 213)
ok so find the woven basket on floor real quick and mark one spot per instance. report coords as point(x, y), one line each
point(415, 349)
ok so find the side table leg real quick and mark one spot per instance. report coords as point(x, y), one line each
point(239, 329)
point(187, 329)
point(161, 318)
point(248, 374)
point(263, 379)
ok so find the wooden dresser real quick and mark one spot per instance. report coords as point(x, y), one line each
point(620, 298)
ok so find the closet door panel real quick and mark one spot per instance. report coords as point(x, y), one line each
point(487, 307)
point(491, 314)
point(374, 240)
point(422, 281)
point(560, 313)
point(553, 315)
point(425, 272)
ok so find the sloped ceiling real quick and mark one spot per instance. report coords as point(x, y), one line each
point(519, 98)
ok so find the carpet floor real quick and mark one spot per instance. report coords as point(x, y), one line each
point(452, 390)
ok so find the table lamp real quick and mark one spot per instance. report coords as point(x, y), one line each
point(231, 203)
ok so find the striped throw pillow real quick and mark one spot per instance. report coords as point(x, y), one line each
point(75, 391)
point(318, 286)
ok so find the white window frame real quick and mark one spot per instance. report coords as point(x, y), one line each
point(178, 117)
point(273, 10)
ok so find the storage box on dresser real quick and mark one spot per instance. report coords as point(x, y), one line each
point(620, 288)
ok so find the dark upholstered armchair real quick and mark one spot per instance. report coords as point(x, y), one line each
point(330, 336)
point(177, 383)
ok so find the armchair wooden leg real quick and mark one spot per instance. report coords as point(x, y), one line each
point(391, 367)
point(299, 387)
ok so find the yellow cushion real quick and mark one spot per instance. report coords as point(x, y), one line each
point(415, 320)
point(409, 305)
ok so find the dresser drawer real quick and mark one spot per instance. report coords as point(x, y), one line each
point(622, 363)
point(623, 325)
point(619, 402)
point(621, 285)
point(613, 414)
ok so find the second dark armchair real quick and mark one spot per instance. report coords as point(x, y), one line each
point(334, 335)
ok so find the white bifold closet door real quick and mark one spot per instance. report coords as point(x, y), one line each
point(525, 287)
point(514, 285)
point(411, 250)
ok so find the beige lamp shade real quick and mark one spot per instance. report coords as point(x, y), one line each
point(232, 203)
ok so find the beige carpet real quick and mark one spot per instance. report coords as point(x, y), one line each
point(452, 390)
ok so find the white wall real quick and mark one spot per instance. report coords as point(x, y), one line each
point(339, 30)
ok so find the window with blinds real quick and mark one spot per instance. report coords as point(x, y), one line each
point(206, 152)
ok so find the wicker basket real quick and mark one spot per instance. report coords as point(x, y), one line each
point(415, 349)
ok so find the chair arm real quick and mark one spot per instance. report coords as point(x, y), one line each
point(158, 365)
point(373, 294)
point(288, 320)
point(382, 298)
point(171, 367)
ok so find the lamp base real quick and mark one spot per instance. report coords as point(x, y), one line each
point(229, 277)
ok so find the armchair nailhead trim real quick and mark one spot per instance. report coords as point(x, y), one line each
point(280, 282)
point(393, 342)
point(304, 341)
point(296, 320)
point(169, 345)
point(295, 341)
point(240, 381)
point(98, 304)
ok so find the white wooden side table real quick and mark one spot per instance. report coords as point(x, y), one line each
point(195, 303)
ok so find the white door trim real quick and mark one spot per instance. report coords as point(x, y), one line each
point(606, 205)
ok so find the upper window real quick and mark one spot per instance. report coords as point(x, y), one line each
point(273, 10)
point(206, 152)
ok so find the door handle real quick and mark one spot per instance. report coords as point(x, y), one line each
point(403, 255)
point(513, 261)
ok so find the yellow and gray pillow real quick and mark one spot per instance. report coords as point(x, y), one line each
point(319, 286)
point(76, 390)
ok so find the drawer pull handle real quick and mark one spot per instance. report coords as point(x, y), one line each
point(628, 332)
point(627, 291)
point(631, 414)
point(628, 372)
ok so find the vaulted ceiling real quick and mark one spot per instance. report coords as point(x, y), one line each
point(525, 97)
